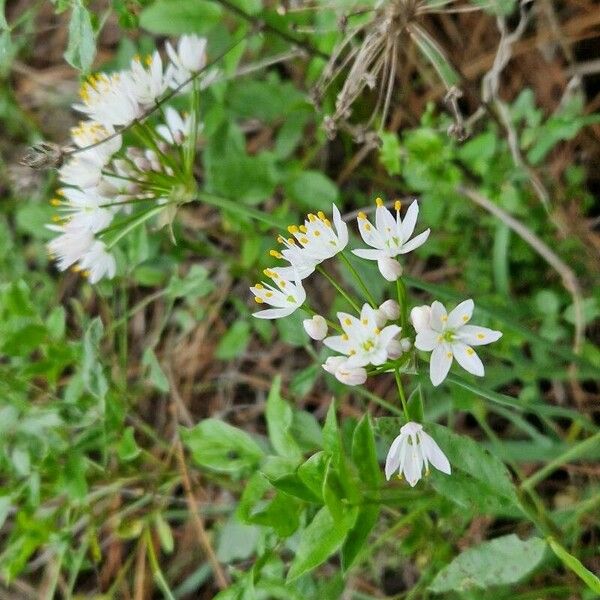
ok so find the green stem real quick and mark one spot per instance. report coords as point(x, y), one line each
point(359, 280)
point(155, 567)
point(401, 393)
point(401, 291)
point(335, 284)
point(133, 224)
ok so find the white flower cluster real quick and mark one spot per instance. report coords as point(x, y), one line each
point(373, 340)
point(100, 179)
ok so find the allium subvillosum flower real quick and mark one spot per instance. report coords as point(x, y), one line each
point(449, 336)
point(315, 327)
point(189, 58)
point(285, 296)
point(148, 82)
point(390, 236)
point(362, 341)
point(412, 451)
point(312, 243)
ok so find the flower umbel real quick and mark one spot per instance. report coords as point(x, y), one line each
point(412, 450)
point(449, 336)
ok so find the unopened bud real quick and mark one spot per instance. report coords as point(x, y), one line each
point(420, 317)
point(316, 327)
point(390, 268)
point(391, 310)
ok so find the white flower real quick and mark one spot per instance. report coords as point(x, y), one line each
point(176, 128)
point(97, 263)
point(338, 367)
point(318, 239)
point(148, 83)
point(190, 55)
point(70, 246)
point(390, 309)
point(390, 237)
point(362, 341)
point(390, 268)
point(316, 327)
point(84, 209)
point(412, 450)
point(84, 170)
point(449, 336)
point(286, 297)
point(91, 132)
point(109, 100)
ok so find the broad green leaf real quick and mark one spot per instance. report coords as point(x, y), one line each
point(331, 433)
point(221, 447)
point(279, 415)
point(237, 541)
point(156, 374)
point(312, 473)
point(319, 541)
point(357, 536)
point(234, 342)
point(502, 561)
point(313, 190)
point(81, 48)
point(364, 454)
point(195, 284)
point(174, 17)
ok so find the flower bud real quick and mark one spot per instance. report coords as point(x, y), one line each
point(391, 310)
point(390, 268)
point(394, 349)
point(336, 365)
point(420, 316)
point(380, 318)
point(316, 327)
point(406, 344)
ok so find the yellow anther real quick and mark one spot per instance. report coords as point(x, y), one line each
point(470, 351)
point(137, 58)
point(268, 272)
point(57, 218)
point(345, 337)
point(55, 202)
point(361, 215)
point(259, 286)
point(86, 274)
point(379, 202)
point(368, 227)
point(258, 300)
point(311, 217)
point(302, 228)
point(268, 294)
point(293, 228)
point(282, 283)
point(148, 60)
point(321, 215)
point(465, 318)
point(76, 268)
point(347, 321)
point(317, 233)
point(377, 331)
point(397, 205)
point(449, 355)
point(444, 318)
point(365, 321)
point(327, 223)
point(480, 336)
point(275, 254)
point(352, 353)
point(291, 241)
point(281, 239)
point(304, 240)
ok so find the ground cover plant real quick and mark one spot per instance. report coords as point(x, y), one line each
point(299, 300)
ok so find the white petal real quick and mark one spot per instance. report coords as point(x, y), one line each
point(434, 454)
point(413, 464)
point(440, 361)
point(473, 335)
point(427, 340)
point(409, 221)
point(340, 227)
point(385, 222)
point(337, 344)
point(438, 316)
point(369, 254)
point(467, 358)
point(415, 242)
point(461, 314)
point(274, 313)
point(392, 462)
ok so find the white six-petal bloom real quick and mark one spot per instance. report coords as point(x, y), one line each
point(149, 82)
point(448, 336)
point(339, 368)
point(363, 342)
point(286, 297)
point(390, 236)
point(412, 451)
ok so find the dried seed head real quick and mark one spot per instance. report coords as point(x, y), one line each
point(44, 155)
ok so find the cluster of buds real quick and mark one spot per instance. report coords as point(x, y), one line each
point(374, 338)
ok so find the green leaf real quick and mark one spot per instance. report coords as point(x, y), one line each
point(173, 17)
point(165, 535)
point(91, 367)
point(194, 285)
point(312, 472)
point(319, 541)
point(279, 415)
point(357, 536)
point(128, 448)
point(313, 190)
point(234, 342)
point(575, 565)
point(502, 561)
point(221, 447)
point(81, 48)
point(390, 152)
point(156, 374)
point(364, 454)
point(331, 433)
